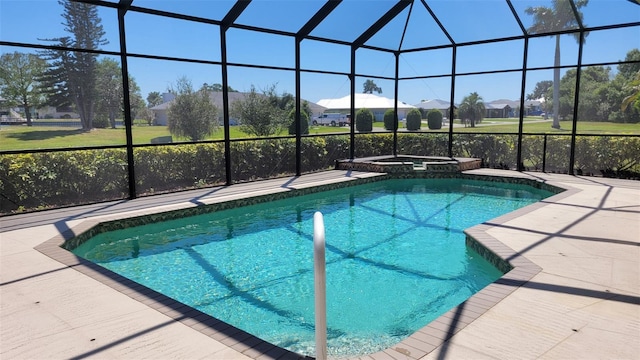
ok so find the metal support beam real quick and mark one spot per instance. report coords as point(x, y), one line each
point(395, 106)
point(519, 162)
point(128, 121)
point(452, 106)
point(384, 20)
point(576, 104)
point(234, 13)
point(352, 77)
point(227, 21)
point(298, 114)
point(317, 18)
point(225, 105)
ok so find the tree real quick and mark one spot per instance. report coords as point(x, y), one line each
point(629, 69)
point(472, 108)
point(19, 85)
point(633, 99)
point(54, 83)
point(71, 78)
point(154, 99)
point(306, 109)
point(192, 114)
point(109, 90)
point(260, 114)
point(594, 103)
point(623, 86)
point(136, 102)
point(541, 90)
point(304, 122)
point(218, 87)
point(557, 18)
point(147, 115)
point(370, 87)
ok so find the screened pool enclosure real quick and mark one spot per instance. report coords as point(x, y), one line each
point(107, 100)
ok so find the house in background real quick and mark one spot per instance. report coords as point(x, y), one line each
point(502, 108)
point(534, 107)
point(161, 111)
point(437, 104)
point(377, 104)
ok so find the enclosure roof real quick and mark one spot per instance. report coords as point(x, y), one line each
point(395, 25)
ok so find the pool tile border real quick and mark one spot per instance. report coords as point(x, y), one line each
point(518, 269)
point(436, 333)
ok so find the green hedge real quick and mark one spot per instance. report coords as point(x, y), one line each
point(43, 180)
point(161, 169)
point(56, 179)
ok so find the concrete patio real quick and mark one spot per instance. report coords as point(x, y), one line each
point(583, 303)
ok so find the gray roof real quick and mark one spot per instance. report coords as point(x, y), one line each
point(434, 104)
point(496, 106)
point(503, 102)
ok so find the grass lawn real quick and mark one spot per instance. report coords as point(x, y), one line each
point(538, 125)
point(46, 137)
point(583, 127)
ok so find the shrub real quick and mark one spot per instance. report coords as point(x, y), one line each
point(390, 122)
point(337, 148)
point(414, 120)
point(434, 119)
point(304, 122)
point(55, 179)
point(101, 122)
point(174, 167)
point(364, 120)
point(375, 144)
point(496, 151)
point(423, 144)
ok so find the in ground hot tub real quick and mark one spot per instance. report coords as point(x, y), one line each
point(409, 164)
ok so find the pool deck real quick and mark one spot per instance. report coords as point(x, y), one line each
point(580, 298)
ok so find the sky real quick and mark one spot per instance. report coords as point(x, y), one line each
point(30, 21)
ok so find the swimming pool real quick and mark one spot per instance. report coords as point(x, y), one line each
point(252, 266)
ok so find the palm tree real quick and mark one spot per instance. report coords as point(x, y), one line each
point(557, 18)
point(634, 98)
point(472, 108)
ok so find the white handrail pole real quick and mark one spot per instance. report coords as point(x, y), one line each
point(320, 285)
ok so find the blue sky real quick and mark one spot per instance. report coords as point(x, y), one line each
point(466, 21)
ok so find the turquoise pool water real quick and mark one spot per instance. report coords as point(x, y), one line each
point(396, 260)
